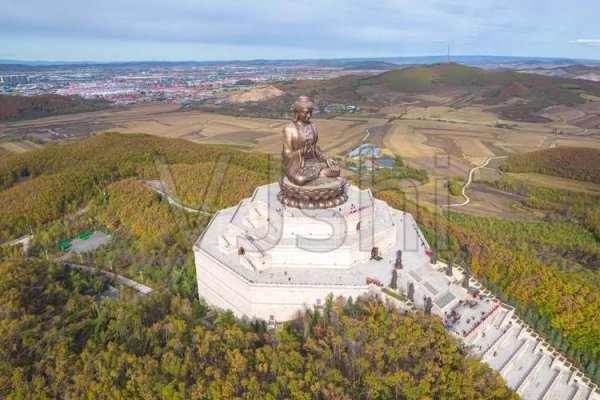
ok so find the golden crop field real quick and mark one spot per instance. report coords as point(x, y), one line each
point(168, 120)
point(562, 113)
point(473, 148)
point(446, 141)
point(523, 139)
point(557, 182)
point(20, 146)
point(467, 137)
point(575, 142)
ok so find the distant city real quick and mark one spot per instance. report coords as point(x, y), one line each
point(139, 83)
point(189, 82)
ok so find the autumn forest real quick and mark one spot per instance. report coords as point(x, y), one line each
point(62, 336)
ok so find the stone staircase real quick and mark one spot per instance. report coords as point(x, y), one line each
point(582, 394)
point(507, 362)
point(527, 364)
point(560, 388)
point(537, 383)
point(522, 364)
point(503, 348)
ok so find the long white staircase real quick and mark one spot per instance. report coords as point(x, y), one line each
point(527, 364)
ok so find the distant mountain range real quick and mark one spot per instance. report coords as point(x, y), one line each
point(508, 92)
point(512, 95)
point(468, 60)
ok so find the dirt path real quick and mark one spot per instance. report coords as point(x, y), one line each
point(141, 288)
point(367, 133)
point(464, 189)
point(24, 240)
point(163, 189)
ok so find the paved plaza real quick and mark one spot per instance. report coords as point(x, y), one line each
point(94, 241)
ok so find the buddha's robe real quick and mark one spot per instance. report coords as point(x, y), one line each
point(303, 159)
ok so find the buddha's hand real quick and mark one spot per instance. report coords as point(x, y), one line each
point(307, 147)
point(331, 164)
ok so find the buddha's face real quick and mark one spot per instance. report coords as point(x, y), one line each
point(304, 114)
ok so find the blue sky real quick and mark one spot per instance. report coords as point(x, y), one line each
point(120, 30)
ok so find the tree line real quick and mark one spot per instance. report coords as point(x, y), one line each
point(578, 163)
point(60, 339)
point(39, 186)
point(14, 107)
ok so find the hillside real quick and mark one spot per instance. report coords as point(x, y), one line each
point(60, 191)
point(436, 76)
point(451, 75)
point(490, 88)
point(343, 89)
point(511, 95)
point(62, 344)
point(261, 93)
point(577, 163)
point(23, 107)
point(62, 339)
point(41, 185)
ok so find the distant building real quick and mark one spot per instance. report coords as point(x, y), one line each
point(365, 150)
point(360, 150)
point(384, 162)
point(13, 79)
point(341, 108)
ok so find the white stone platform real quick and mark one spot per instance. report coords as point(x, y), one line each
point(292, 259)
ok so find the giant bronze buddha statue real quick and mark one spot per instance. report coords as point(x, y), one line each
point(303, 159)
point(311, 177)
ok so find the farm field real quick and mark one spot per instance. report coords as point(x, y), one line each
point(20, 146)
point(166, 120)
point(445, 141)
point(585, 116)
point(466, 138)
point(577, 142)
point(556, 182)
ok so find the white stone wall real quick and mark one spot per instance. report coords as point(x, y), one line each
point(321, 240)
point(223, 288)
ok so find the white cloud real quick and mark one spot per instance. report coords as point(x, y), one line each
point(274, 28)
point(588, 42)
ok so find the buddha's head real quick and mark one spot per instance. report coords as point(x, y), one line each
point(303, 108)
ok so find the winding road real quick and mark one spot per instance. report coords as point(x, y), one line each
point(464, 189)
point(367, 133)
point(163, 189)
